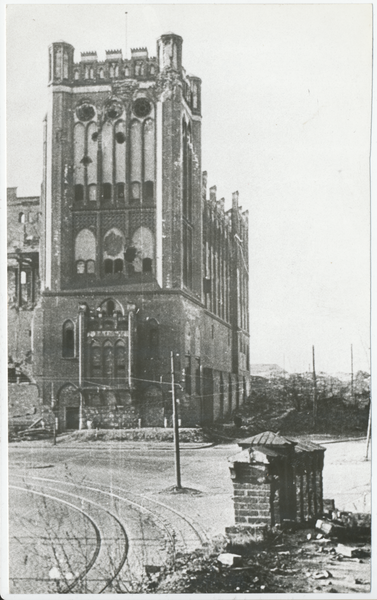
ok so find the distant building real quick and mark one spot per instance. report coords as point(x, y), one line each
point(136, 259)
point(266, 370)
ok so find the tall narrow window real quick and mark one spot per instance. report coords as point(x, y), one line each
point(108, 360)
point(79, 192)
point(113, 251)
point(120, 359)
point(188, 374)
point(95, 360)
point(153, 337)
point(107, 191)
point(68, 345)
point(197, 376)
point(85, 251)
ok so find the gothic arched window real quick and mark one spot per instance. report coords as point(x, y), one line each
point(68, 341)
point(95, 360)
point(143, 242)
point(113, 252)
point(120, 358)
point(85, 251)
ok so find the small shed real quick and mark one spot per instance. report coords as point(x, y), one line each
point(277, 479)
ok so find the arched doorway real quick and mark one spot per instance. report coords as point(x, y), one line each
point(68, 407)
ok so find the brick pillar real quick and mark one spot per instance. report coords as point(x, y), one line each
point(252, 494)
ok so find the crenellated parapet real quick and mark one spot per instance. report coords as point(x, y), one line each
point(164, 72)
point(214, 209)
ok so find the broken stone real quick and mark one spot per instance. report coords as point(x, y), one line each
point(322, 575)
point(230, 560)
point(349, 551)
point(329, 528)
point(361, 581)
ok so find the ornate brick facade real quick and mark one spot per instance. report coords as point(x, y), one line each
point(136, 261)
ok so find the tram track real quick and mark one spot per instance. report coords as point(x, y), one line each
point(99, 537)
point(150, 531)
point(196, 529)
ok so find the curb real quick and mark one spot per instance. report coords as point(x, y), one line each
point(108, 445)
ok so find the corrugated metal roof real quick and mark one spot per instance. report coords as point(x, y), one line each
point(267, 438)
point(306, 446)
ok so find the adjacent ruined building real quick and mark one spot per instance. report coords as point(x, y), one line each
point(137, 259)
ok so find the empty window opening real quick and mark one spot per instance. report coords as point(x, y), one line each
point(148, 190)
point(79, 192)
point(147, 265)
point(101, 74)
point(68, 349)
point(21, 217)
point(107, 191)
point(120, 190)
point(23, 277)
point(95, 136)
point(120, 137)
point(188, 374)
point(130, 254)
point(80, 267)
point(77, 74)
point(110, 307)
point(90, 266)
point(197, 377)
point(118, 265)
point(108, 266)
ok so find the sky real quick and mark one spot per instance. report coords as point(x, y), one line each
point(286, 105)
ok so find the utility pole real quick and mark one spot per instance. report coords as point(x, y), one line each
point(175, 424)
point(53, 413)
point(314, 392)
point(81, 315)
point(369, 431)
point(352, 387)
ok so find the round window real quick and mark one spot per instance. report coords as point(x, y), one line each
point(85, 112)
point(114, 109)
point(142, 107)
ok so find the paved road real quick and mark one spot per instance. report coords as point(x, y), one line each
point(120, 501)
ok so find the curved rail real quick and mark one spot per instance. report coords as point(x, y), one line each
point(91, 563)
point(202, 536)
point(96, 529)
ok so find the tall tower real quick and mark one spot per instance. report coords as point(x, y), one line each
point(123, 147)
point(123, 246)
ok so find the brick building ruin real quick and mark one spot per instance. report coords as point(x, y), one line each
point(136, 258)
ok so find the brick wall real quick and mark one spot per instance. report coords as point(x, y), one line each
point(251, 494)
